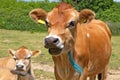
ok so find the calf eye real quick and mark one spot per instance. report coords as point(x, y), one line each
point(71, 24)
point(15, 59)
point(27, 57)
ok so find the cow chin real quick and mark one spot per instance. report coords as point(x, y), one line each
point(55, 51)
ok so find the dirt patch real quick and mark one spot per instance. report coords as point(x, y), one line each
point(112, 74)
point(43, 67)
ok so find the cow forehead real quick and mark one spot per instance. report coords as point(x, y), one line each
point(56, 16)
point(22, 53)
point(62, 14)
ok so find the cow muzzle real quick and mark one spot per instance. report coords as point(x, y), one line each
point(20, 67)
point(54, 44)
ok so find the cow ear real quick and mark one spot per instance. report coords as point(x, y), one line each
point(35, 53)
point(86, 15)
point(38, 15)
point(12, 52)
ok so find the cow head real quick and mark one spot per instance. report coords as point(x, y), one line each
point(22, 56)
point(61, 23)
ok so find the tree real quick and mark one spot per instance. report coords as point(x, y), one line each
point(96, 5)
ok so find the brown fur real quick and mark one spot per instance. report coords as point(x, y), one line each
point(86, 15)
point(63, 6)
point(36, 15)
point(88, 41)
point(8, 64)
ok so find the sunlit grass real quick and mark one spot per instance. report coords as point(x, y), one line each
point(115, 57)
point(14, 39)
point(42, 75)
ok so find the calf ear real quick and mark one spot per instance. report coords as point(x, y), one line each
point(12, 52)
point(38, 14)
point(35, 53)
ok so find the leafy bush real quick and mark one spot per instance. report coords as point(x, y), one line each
point(95, 5)
point(15, 15)
point(115, 27)
point(112, 14)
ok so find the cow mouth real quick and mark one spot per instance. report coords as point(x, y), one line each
point(19, 69)
point(55, 51)
point(22, 73)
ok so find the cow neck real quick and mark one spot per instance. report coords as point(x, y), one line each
point(72, 54)
point(77, 68)
point(62, 64)
point(62, 61)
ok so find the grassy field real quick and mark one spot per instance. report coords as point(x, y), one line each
point(14, 39)
point(115, 58)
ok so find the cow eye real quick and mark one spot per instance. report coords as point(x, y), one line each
point(71, 24)
point(27, 57)
point(47, 24)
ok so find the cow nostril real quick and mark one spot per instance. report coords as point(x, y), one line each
point(19, 66)
point(51, 42)
point(55, 40)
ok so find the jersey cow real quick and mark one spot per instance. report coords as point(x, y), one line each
point(75, 39)
point(17, 67)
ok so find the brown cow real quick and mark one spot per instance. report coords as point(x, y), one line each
point(79, 33)
point(17, 67)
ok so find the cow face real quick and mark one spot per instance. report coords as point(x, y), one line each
point(23, 57)
point(61, 24)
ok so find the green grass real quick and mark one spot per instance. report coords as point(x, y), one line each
point(14, 39)
point(115, 57)
point(42, 75)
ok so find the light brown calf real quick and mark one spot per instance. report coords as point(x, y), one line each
point(17, 67)
point(78, 33)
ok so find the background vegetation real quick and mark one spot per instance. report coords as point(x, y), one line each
point(14, 15)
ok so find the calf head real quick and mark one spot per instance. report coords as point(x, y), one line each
point(22, 56)
point(61, 23)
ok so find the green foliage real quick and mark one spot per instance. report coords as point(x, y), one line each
point(112, 17)
point(15, 15)
point(112, 14)
point(95, 5)
point(115, 27)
